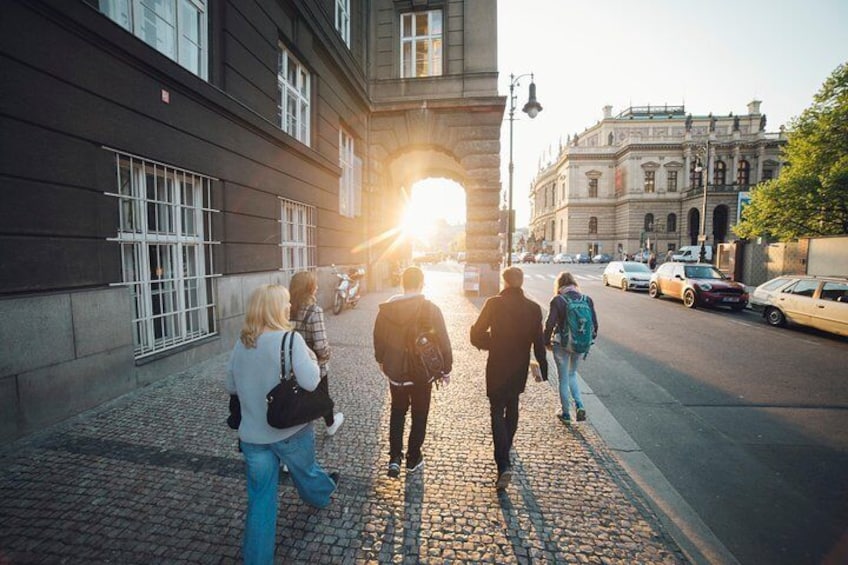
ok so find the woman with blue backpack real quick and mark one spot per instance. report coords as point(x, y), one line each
point(570, 331)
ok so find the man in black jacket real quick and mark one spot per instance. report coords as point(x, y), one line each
point(394, 330)
point(507, 326)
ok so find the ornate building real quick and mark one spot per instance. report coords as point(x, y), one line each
point(636, 181)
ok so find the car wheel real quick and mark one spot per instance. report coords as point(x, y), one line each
point(689, 298)
point(606, 282)
point(654, 291)
point(775, 317)
point(624, 284)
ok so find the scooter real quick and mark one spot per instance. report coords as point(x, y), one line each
point(347, 291)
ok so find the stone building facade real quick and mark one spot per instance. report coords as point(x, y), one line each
point(635, 181)
point(158, 161)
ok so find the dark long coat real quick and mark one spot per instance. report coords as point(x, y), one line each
point(508, 326)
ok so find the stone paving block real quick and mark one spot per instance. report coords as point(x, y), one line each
point(156, 477)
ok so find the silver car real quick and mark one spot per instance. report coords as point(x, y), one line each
point(627, 275)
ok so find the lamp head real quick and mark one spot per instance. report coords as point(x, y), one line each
point(532, 108)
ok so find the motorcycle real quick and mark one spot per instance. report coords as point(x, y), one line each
point(347, 290)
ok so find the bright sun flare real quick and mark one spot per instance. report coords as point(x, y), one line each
point(430, 201)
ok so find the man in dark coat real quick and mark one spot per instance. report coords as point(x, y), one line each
point(507, 327)
point(397, 318)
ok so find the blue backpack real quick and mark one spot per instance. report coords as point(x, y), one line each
point(577, 328)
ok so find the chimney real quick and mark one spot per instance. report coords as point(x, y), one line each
point(754, 107)
point(607, 112)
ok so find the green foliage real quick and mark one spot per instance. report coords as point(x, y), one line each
point(810, 197)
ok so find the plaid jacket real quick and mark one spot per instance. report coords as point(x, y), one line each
point(309, 321)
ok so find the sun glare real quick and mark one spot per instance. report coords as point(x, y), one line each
point(432, 200)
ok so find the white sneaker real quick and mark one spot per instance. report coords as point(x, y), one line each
point(338, 419)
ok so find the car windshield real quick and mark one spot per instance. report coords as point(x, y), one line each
point(702, 272)
point(636, 268)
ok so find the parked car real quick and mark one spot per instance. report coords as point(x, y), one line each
point(582, 258)
point(697, 284)
point(627, 275)
point(817, 302)
point(544, 258)
point(515, 258)
point(528, 257)
point(563, 258)
point(601, 258)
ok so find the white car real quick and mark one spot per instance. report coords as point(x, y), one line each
point(627, 275)
point(563, 258)
point(543, 258)
point(817, 302)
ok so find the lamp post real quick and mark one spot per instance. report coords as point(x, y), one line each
point(702, 255)
point(532, 109)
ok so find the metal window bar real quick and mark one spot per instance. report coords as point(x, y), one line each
point(166, 252)
point(298, 237)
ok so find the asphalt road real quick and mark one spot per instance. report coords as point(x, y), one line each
point(748, 423)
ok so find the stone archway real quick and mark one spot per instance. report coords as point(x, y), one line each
point(458, 140)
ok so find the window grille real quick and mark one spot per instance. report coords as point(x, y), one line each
point(672, 181)
point(343, 20)
point(350, 182)
point(298, 228)
point(421, 44)
point(165, 225)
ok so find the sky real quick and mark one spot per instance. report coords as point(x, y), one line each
point(712, 56)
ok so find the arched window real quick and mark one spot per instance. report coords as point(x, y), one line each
point(743, 173)
point(720, 174)
point(593, 225)
point(649, 222)
point(671, 223)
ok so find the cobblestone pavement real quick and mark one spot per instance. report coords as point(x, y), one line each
point(155, 477)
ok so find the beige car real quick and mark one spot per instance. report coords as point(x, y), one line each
point(817, 302)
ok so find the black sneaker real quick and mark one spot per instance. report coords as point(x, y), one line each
point(504, 479)
point(581, 415)
point(564, 419)
point(413, 465)
point(394, 468)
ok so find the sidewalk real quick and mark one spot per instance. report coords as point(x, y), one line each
point(154, 477)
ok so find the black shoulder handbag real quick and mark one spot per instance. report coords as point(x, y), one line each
point(289, 404)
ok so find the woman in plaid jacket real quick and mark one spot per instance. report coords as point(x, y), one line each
point(308, 319)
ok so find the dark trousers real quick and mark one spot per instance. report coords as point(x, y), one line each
point(403, 397)
point(504, 413)
point(324, 385)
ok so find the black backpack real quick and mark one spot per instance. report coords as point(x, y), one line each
point(422, 349)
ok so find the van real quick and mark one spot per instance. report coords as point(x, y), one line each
point(691, 253)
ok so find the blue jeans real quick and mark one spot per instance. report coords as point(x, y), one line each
point(262, 464)
point(566, 363)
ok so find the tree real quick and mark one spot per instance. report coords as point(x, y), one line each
point(810, 196)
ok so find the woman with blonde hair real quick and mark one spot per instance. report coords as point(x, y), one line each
point(308, 319)
point(566, 292)
point(254, 369)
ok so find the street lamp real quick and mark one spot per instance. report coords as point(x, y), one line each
point(702, 255)
point(532, 109)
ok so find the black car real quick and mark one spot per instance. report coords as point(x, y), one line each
point(582, 258)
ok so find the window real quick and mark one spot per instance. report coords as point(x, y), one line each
point(593, 225)
point(803, 288)
point(671, 223)
point(649, 180)
point(743, 173)
point(343, 20)
point(695, 178)
point(166, 252)
point(720, 173)
point(649, 222)
point(836, 291)
point(671, 181)
point(593, 188)
point(350, 183)
point(298, 237)
point(768, 174)
point(421, 44)
point(293, 83)
point(175, 28)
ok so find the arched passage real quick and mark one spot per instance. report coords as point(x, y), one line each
point(720, 224)
point(694, 225)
